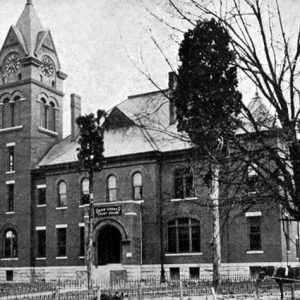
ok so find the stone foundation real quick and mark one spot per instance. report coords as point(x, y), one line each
point(123, 272)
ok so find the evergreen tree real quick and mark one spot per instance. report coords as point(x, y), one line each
point(207, 104)
point(91, 159)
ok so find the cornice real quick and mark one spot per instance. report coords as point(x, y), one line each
point(31, 81)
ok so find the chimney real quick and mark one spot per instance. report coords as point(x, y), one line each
point(172, 88)
point(75, 113)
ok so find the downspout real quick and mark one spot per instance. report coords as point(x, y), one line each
point(162, 255)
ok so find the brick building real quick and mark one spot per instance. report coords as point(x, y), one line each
point(147, 214)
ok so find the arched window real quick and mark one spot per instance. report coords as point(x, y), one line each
point(17, 112)
point(6, 114)
point(184, 236)
point(62, 194)
point(137, 186)
point(85, 184)
point(44, 110)
point(51, 117)
point(111, 188)
point(10, 244)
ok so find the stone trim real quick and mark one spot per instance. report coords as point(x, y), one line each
point(12, 144)
point(253, 214)
point(61, 225)
point(183, 254)
point(9, 129)
point(47, 131)
point(255, 252)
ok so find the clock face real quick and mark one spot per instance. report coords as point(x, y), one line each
point(12, 64)
point(47, 66)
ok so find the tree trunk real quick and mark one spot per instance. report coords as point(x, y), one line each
point(89, 255)
point(216, 240)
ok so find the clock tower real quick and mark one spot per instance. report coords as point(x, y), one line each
point(31, 105)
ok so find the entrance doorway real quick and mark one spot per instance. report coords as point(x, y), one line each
point(109, 245)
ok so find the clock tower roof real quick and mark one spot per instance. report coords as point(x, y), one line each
point(29, 26)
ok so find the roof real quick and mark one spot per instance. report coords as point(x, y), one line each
point(29, 25)
point(140, 124)
point(148, 132)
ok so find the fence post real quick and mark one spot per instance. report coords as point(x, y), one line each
point(257, 289)
point(181, 289)
point(140, 291)
point(292, 291)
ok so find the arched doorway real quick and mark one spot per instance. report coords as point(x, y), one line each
point(109, 245)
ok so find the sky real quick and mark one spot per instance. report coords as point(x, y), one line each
point(102, 44)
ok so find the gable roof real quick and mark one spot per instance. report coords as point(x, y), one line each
point(138, 131)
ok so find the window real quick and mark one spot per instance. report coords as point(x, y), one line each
point(51, 117)
point(174, 273)
point(184, 183)
point(82, 244)
point(194, 273)
point(111, 188)
point(9, 275)
point(85, 197)
point(184, 236)
point(44, 110)
point(6, 113)
point(252, 179)
point(254, 233)
point(61, 241)
point(17, 111)
point(62, 194)
point(10, 158)
point(137, 186)
point(41, 195)
point(10, 244)
point(10, 197)
point(41, 242)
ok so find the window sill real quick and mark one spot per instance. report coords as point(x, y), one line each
point(10, 258)
point(47, 131)
point(61, 208)
point(83, 205)
point(41, 258)
point(183, 254)
point(9, 129)
point(10, 172)
point(41, 205)
point(61, 257)
point(255, 252)
point(183, 199)
point(81, 257)
point(10, 213)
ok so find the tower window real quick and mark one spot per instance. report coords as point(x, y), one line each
point(44, 110)
point(10, 197)
point(10, 158)
point(51, 117)
point(19, 76)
